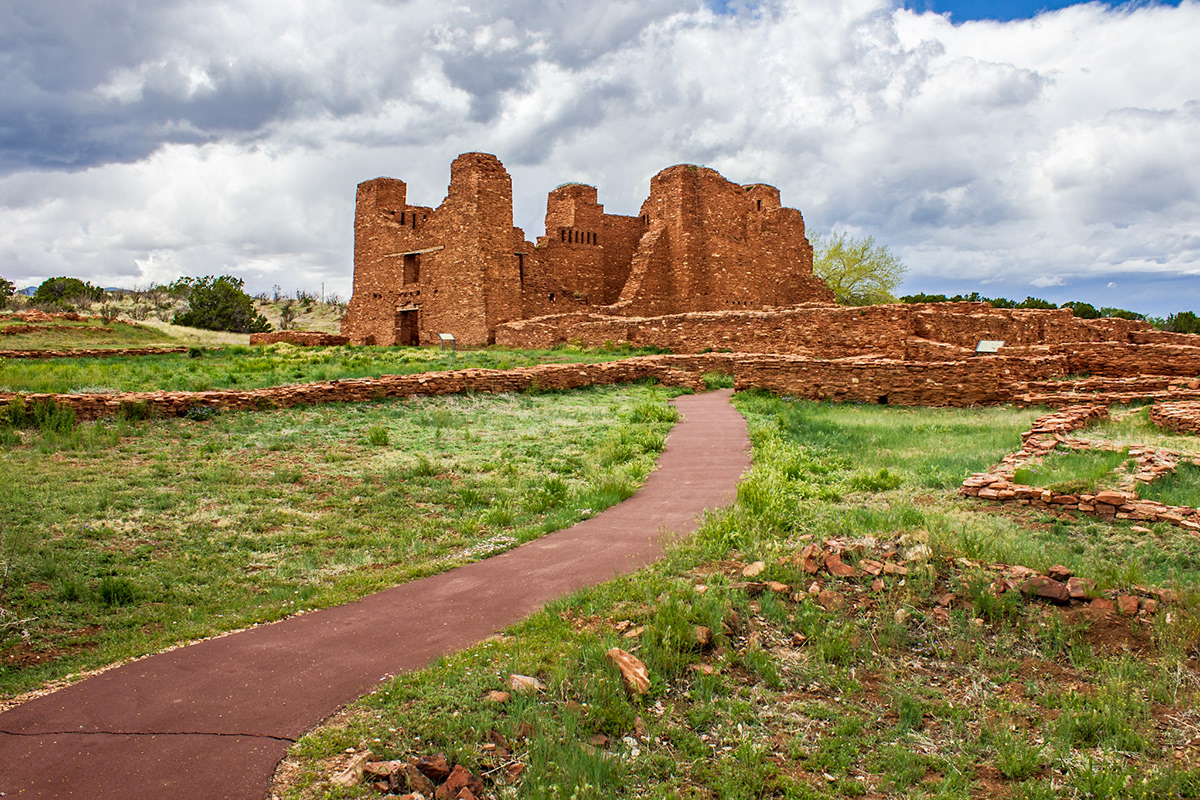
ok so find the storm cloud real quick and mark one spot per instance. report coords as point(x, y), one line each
point(1050, 156)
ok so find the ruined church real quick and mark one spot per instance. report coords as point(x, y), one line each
point(700, 243)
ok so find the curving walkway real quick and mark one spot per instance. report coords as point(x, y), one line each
point(212, 720)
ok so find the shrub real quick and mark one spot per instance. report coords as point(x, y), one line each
point(7, 290)
point(199, 413)
point(59, 290)
point(219, 304)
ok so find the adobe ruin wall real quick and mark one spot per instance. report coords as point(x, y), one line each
point(918, 332)
point(700, 243)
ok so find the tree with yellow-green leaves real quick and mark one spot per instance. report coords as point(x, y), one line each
point(859, 271)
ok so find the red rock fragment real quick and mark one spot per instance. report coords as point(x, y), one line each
point(894, 569)
point(632, 669)
point(1046, 588)
point(1079, 587)
point(870, 566)
point(809, 559)
point(838, 569)
point(830, 600)
point(436, 768)
point(1059, 573)
point(946, 599)
point(1127, 605)
point(460, 778)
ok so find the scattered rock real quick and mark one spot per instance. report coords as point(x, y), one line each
point(1101, 605)
point(877, 585)
point(1059, 573)
point(810, 560)
point(460, 778)
point(498, 697)
point(1140, 529)
point(352, 775)
point(1127, 605)
point(894, 569)
point(703, 637)
point(833, 563)
point(754, 570)
point(633, 633)
point(777, 587)
point(436, 768)
point(634, 672)
point(798, 639)
point(412, 779)
point(1046, 588)
point(831, 600)
point(945, 600)
point(524, 684)
point(1149, 606)
point(870, 566)
point(1079, 587)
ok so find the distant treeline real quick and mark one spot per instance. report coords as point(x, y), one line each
point(1182, 322)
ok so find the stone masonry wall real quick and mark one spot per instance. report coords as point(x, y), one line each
point(1183, 417)
point(302, 338)
point(701, 243)
point(934, 331)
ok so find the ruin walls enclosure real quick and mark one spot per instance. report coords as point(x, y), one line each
point(700, 243)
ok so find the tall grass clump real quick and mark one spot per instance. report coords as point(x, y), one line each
point(1074, 471)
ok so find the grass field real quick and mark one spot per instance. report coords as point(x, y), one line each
point(62, 334)
point(244, 367)
point(121, 537)
point(883, 694)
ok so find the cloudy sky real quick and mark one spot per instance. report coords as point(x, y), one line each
point(1012, 148)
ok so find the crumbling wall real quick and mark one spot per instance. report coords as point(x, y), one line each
point(717, 245)
point(420, 271)
point(935, 331)
point(302, 338)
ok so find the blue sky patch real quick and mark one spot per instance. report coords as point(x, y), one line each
point(1002, 10)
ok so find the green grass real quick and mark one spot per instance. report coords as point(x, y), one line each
point(121, 537)
point(68, 335)
point(1180, 488)
point(1003, 698)
point(1075, 471)
point(243, 367)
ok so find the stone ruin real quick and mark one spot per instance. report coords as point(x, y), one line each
point(700, 244)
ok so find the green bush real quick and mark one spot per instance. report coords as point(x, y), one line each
point(60, 290)
point(219, 304)
point(7, 290)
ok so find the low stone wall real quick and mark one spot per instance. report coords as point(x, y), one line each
point(899, 331)
point(1183, 417)
point(979, 381)
point(545, 376)
point(986, 380)
point(1052, 430)
point(302, 338)
point(92, 353)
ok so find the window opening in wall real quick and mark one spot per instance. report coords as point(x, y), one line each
point(414, 222)
point(760, 205)
point(552, 297)
point(521, 267)
point(412, 268)
point(401, 217)
point(562, 234)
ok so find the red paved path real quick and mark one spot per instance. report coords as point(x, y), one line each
point(212, 720)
